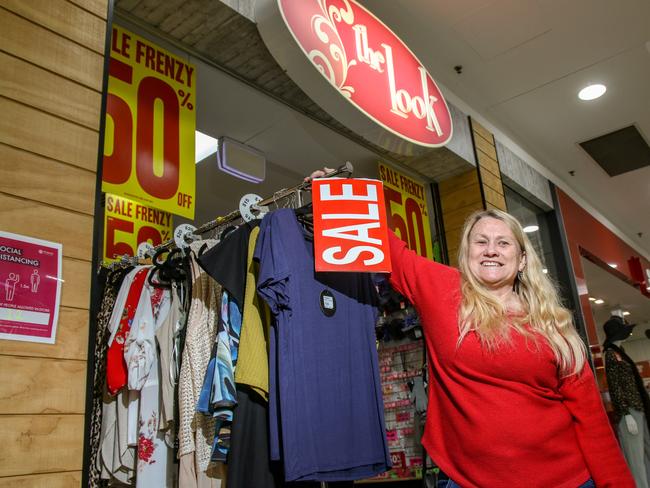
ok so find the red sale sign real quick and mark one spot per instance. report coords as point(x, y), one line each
point(350, 229)
point(30, 288)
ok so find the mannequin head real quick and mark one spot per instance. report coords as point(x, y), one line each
point(616, 330)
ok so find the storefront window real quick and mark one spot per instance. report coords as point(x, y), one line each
point(534, 221)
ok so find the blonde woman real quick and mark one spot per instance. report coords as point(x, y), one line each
point(512, 401)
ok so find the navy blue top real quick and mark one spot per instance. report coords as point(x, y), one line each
point(324, 369)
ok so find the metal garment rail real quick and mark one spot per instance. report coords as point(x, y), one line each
point(347, 169)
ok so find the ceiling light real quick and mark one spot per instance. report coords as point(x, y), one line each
point(599, 301)
point(626, 313)
point(592, 299)
point(205, 146)
point(531, 228)
point(592, 92)
point(545, 271)
point(613, 265)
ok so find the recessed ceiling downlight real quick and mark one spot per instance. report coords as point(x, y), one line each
point(531, 228)
point(592, 92)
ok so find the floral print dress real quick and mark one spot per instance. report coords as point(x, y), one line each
point(155, 465)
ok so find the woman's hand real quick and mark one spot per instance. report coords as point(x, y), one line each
point(318, 174)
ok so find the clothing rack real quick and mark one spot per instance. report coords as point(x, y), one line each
point(125, 260)
point(346, 168)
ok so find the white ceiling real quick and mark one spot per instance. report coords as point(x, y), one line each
point(524, 62)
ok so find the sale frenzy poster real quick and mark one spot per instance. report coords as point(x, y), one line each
point(128, 224)
point(350, 231)
point(406, 208)
point(150, 123)
point(30, 288)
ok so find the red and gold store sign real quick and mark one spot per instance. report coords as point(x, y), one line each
point(150, 124)
point(370, 67)
point(406, 209)
point(128, 224)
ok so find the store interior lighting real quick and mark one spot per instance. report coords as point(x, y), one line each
point(599, 301)
point(626, 313)
point(613, 265)
point(591, 92)
point(205, 146)
point(531, 228)
point(592, 299)
point(241, 160)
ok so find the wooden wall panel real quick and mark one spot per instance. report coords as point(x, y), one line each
point(41, 89)
point(97, 7)
point(37, 385)
point(488, 166)
point(75, 292)
point(40, 443)
point(456, 219)
point(70, 479)
point(491, 180)
point(71, 339)
point(482, 131)
point(476, 189)
point(462, 181)
point(28, 128)
point(485, 147)
point(73, 230)
point(466, 197)
point(40, 179)
point(488, 163)
point(51, 71)
point(64, 18)
point(494, 198)
point(460, 196)
point(49, 50)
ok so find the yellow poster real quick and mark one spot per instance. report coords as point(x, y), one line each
point(150, 123)
point(128, 224)
point(406, 209)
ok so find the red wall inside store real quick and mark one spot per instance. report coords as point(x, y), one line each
point(586, 233)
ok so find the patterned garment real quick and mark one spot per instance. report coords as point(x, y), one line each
point(116, 371)
point(218, 395)
point(196, 432)
point(155, 460)
point(113, 280)
point(622, 385)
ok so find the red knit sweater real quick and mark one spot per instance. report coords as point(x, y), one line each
point(504, 418)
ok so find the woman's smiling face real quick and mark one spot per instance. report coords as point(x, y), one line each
point(494, 254)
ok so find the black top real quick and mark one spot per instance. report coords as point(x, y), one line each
point(226, 262)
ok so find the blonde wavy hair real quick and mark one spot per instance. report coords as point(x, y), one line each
point(480, 311)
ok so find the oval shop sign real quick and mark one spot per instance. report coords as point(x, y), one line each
point(371, 67)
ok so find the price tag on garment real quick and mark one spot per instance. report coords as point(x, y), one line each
point(128, 226)
point(149, 146)
point(145, 249)
point(406, 206)
point(350, 228)
point(245, 207)
point(181, 233)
